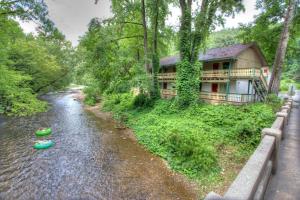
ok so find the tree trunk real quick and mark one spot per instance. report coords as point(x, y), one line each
point(274, 84)
point(155, 58)
point(145, 36)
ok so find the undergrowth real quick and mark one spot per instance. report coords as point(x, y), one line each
point(192, 139)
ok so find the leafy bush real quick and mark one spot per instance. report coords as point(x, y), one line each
point(91, 95)
point(191, 154)
point(274, 101)
point(142, 100)
point(16, 97)
point(189, 139)
point(118, 103)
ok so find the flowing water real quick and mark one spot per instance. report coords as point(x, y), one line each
point(90, 160)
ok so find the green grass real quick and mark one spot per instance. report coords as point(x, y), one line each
point(285, 84)
point(207, 143)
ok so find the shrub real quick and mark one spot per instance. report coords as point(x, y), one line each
point(142, 100)
point(274, 101)
point(118, 103)
point(92, 94)
point(191, 154)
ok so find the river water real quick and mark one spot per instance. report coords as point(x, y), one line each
point(90, 160)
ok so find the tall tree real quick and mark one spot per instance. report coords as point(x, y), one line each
point(143, 11)
point(194, 31)
point(274, 83)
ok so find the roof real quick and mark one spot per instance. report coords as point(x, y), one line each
point(223, 53)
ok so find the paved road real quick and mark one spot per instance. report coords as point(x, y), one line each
point(285, 185)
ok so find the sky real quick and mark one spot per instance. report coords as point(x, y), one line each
point(72, 16)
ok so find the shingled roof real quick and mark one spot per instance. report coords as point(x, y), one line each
point(229, 52)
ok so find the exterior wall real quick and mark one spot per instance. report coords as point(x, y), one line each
point(242, 86)
point(248, 59)
point(232, 88)
point(206, 87)
point(209, 65)
point(169, 69)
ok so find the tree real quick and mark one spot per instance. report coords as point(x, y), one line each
point(267, 29)
point(274, 83)
point(24, 9)
point(192, 39)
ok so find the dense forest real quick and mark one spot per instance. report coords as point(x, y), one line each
point(30, 65)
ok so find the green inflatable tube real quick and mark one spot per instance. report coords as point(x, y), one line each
point(43, 144)
point(43, 132)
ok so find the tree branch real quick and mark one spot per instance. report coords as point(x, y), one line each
point(135, 23)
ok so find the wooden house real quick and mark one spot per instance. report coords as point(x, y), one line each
point(235, 74)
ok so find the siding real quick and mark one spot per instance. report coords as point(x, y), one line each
point(248, 59)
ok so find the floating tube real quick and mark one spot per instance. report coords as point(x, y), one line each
point(43, 132)
point(43, 144)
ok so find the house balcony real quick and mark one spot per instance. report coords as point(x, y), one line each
point(222, 75)
point(215, 97)
point(229, 98)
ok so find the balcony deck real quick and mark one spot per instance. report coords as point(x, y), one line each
point(215, 97)
point(221, 76)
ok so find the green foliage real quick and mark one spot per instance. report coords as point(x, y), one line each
point(190, 139)
point(92, 95)
point(118, 103)
point(266, 30)
point(142, 101)
point(30, 65)
point(286, 83)
point(274, 101)
point(190, 153)
point(187, 83)
point(16, 97)
point(225, 37)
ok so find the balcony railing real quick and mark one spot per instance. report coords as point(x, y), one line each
point(168, 93)
point(237, 98)
point(223, 73)
point(166, 76)
point(220, 97)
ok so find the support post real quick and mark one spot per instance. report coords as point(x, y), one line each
point(277, 134)
point(228, 81)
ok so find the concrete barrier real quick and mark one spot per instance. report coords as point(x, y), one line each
point(252, 181)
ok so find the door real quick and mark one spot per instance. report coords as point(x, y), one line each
point(214, 87)
point(215, 66)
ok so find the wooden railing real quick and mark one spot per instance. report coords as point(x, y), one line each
point(166, 76)
point(168, 92)
point(239, 98)
point(252, 181)
point(223, 73)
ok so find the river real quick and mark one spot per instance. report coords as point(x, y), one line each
point(90, 160)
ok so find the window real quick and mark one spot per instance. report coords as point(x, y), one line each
point(165, 86)
point(226, 65)
point(215, 66)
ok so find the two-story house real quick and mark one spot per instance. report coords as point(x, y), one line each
point(234, 74)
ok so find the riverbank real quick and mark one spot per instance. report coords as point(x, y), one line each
point(208, 144)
